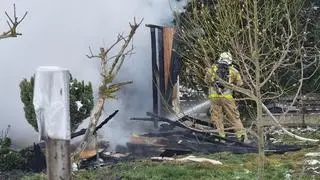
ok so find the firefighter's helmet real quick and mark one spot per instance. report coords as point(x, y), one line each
point(225, 58)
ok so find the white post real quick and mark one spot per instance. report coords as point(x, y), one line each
point(51, 104)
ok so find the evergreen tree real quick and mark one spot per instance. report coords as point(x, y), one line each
point(81, 101)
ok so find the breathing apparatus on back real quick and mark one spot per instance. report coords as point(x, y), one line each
point(224, 62)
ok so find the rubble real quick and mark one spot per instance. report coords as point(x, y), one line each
point(35, 154)
point(104, 158)
point(312, 162)
point(184, 137)
point(312, 165)
point(187, 159)
point(89, 153)
point(200, 160)
point(275, 135)
point(313, 154)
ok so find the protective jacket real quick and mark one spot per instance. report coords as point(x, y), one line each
point(216, 90)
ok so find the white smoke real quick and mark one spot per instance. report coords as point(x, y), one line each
point(59, 33)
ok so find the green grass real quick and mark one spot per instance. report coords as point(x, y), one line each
point(235, 166)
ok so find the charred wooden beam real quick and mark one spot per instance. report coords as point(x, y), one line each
point(161, 71)
point(106, 120)
point(142, 119)
point(169, 152)
point(163, 127)
point(197, 121)
point(82, 131)
point(225, 143)
point(165, 134)
point(78, 133)
point(159, 118)
point(177, 123)
point(216, 138)
point(210, 137)
point(154, 74)
point(186, 141)
point(154, 26)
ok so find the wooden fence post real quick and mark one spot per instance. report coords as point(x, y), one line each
point(58, 159)
point(51, 104)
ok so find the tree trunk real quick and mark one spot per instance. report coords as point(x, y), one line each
point(94, 118)
point(260, 141)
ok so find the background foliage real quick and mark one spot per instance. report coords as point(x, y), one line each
point(81, 101)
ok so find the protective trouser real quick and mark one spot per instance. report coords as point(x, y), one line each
point(227, 106)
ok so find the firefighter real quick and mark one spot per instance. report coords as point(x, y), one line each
point(222, 101)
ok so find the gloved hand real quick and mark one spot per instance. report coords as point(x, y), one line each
point(219, 85)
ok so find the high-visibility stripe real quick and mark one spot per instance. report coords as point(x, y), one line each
point(234, 77)
point(227, 96)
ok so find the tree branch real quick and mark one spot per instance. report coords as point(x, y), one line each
point(120, 56)
point(106, 88)
point(13, 23)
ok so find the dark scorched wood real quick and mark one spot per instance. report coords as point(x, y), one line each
point(183, 139)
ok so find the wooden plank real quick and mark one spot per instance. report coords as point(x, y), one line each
point(167, 51)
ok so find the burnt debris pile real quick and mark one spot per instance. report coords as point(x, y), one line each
point(182, 136)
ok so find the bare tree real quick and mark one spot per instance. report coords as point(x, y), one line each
point(266, 38)
point(13, 22)
point(109, 68)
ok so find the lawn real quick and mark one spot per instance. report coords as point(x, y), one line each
point(290, 165)
point(286, 166)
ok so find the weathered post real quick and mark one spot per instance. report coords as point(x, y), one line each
point(51, 103)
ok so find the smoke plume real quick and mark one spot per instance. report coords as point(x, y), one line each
point(59, 33)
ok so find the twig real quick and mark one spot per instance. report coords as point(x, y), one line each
point(13, 24)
